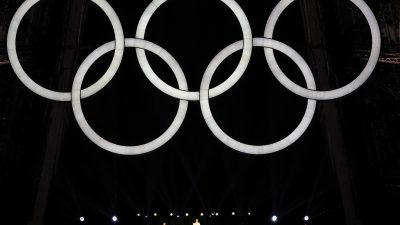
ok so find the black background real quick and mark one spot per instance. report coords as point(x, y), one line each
point(194, 172)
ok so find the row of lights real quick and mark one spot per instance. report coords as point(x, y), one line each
point(114, 219)
point(274, 218)
point(201, 214)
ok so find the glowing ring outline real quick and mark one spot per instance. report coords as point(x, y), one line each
point(376, 40)
point(226, 139)
point(64, 96)
point(332, 94)
point(101, 142)
point(187, 95)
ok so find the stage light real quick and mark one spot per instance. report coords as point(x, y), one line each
point(187, 214)
point(82, 219)
point(155, 214)
point(138, 214)
point(201, 214)
point(171, 214)
point(274, 219)
point(233, 213)
point(216, 214)
point(114, 219)
point(249, 213)
point(306, 218)
point(177, 216)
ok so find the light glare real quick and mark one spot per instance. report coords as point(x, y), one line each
point(114, 218)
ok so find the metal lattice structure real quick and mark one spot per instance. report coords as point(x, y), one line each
point(389, 58)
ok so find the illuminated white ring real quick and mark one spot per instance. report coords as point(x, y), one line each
point(92, 135)
point(332, 94)
point(227, 140)
point(64, 96)
point(186, 95)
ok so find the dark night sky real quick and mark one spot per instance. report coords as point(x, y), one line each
point(193, 172)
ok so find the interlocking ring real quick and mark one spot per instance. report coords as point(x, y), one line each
point(101, 142)
point(62, 96)
point(333, 94)
point(205, 92)
point(194, 96)
point(245, 148)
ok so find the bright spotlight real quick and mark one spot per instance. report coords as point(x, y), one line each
point(187, 214)
point(201, 214)
point(138, 214)
point(233, 213)
point(274, 219)
point(82, 219)
point(177, 216)
point(114, 219)
point(249, 213)
point(306, 218)
point(171, 214)
point(216, 214)
point(155, 214)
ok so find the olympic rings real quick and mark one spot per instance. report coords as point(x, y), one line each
point(205, 92)
point(62, 96)
point(92, 135)
point(333, 94)
point(194, 96)
point(245, 148)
